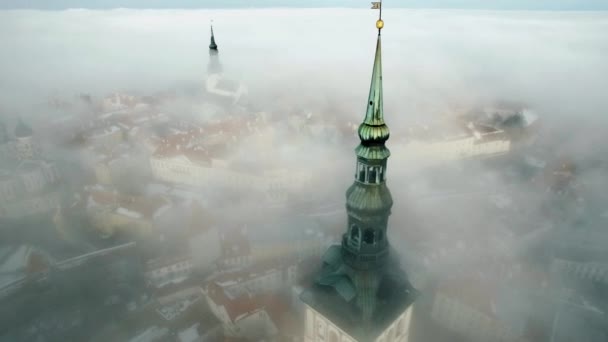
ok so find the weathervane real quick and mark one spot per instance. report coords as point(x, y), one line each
point(379, 23)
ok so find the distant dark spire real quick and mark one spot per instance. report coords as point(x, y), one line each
point(214, 66)
point(22, 130)
point(212, 45)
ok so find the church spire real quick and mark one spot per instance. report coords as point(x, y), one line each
point(212, 45)
point(361, 287)
point(375, 115)
point(373, 131)
point(214, 66)
point(368, 200)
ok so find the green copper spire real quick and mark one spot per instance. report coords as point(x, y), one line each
point(368, 200)
point(361, 287)
point(373, 131)
point(374, 117)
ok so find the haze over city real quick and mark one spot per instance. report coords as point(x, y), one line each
point(155, 188)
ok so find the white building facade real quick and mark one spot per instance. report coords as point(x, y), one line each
point(319, 329)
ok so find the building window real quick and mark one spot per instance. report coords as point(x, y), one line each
point(355, 234)
point(372, 175)
point(361, 176)
point(368, 236)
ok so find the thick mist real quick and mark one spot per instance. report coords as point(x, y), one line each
point(435, 62)
point(548, 59)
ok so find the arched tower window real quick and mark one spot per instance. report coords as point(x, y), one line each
point(361, 172)
point(371, 175)
point(368, 236)
point(355, 234)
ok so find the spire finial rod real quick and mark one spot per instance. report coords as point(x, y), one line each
point(379, 23)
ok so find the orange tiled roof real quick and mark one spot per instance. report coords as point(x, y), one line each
point(234, 307)
point(146, 206)
point(246, 304)
point(183, 143)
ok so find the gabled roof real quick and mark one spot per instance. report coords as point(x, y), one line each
point(136, 206)
point(183, 144)
point(237, 307)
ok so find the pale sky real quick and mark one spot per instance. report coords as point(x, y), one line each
point(578, 5)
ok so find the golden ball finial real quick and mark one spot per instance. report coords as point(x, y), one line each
point(379, 24)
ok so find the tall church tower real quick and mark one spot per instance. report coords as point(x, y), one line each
point(222, 90)
point(214, 66)
point(361, 293)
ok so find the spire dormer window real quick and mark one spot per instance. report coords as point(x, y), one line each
point(372, 175)
point(355, 236)
point(368, 236)
point(361, 174)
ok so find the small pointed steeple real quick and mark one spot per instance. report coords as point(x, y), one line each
point(212, 45)
point(214, 66)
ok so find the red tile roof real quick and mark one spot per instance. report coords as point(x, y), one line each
point(146, 206)
point(252, 272)
point(184, 143)
point(235, 307)
point(247, 304)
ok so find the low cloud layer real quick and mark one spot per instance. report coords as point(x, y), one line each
point(435, 62)
point(553, 61)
